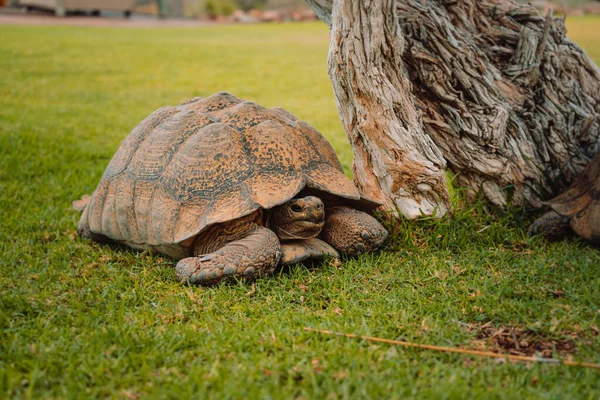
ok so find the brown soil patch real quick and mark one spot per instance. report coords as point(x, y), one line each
point(524, 342)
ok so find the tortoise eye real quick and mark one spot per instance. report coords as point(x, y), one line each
point(296, 208)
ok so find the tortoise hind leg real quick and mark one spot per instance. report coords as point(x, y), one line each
point(551, 225)
point(255, 254)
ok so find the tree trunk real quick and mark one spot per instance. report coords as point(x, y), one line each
point(489, 90)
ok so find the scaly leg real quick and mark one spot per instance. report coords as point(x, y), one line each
point(295, 251)
point(255, 254)
point(551, 225)
point(351, 231)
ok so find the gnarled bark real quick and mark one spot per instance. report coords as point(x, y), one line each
point(508, 101)
point(395, 161)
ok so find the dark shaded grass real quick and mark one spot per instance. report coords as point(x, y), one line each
point(79, 319)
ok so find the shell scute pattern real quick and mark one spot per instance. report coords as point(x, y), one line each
point(122, 158)
point(109, 223)
point(125, 209)
point(234, 201)
point(243, 115)
point(213, 162)
point(273, 150)
point(164, 142)
point(324, 150)
point(216, 102)
point(144, 194)
point(284, 116)
point(96, 206)
point(163, 224)
point(188, 221)
point(209, 161)
point(327, 179)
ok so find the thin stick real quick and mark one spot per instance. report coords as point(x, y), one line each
point(456, 350)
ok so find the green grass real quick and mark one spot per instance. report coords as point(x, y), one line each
point(84, 320)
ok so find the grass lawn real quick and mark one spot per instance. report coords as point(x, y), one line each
point(84, 320)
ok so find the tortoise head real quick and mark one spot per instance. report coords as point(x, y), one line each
point(300, 218)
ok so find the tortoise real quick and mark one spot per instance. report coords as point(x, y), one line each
point(575, 210)
point(230, 189)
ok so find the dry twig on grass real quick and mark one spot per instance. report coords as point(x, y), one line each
point(456, 350)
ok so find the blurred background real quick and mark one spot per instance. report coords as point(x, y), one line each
point(244, 11)
point(228, 11)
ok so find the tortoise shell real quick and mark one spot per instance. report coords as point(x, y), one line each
point(209, 161)
point(581, 202)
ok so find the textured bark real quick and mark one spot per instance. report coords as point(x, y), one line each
point(498, 93)
point(395, 161)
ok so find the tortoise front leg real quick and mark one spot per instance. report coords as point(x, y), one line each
point(295, 251)
point(255, 254)
point(351, 231)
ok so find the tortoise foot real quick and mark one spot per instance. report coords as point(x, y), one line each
point(551, 225)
